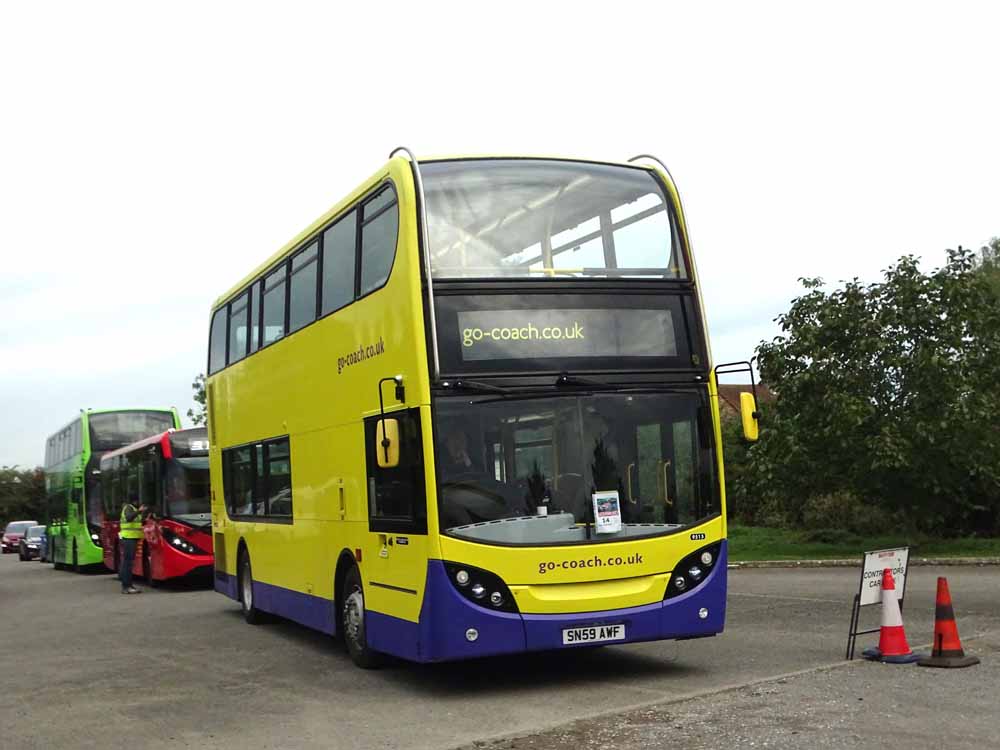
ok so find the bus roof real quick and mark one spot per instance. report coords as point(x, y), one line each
point(160, 438)
point(145, 442)
point(381, 174)
point(88, 412)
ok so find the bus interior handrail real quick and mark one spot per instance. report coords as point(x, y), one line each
point(419, 184)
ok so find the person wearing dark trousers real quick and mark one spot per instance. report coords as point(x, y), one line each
point(129, 534)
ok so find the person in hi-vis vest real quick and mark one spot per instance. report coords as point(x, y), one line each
point(130, 533)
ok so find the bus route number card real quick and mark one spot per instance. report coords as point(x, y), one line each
point(607, 512)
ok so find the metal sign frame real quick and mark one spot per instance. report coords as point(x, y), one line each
point(853, 632)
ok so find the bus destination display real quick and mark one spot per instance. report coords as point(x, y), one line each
point(532, 334)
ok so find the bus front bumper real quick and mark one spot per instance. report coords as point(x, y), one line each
point(451, 627)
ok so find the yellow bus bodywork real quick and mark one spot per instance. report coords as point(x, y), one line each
point(293, 387)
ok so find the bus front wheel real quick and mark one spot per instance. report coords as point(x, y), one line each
point(250, 613)
point(352, 622)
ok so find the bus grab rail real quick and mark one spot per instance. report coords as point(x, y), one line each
point(419, 183)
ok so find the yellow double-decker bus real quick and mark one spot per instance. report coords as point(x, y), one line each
point(471, 411)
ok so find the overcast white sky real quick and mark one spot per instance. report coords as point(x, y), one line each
point(153, 154)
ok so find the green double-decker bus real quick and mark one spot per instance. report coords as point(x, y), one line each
point(72, 477)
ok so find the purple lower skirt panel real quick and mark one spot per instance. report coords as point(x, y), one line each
point(453, 628)
point(446, 619)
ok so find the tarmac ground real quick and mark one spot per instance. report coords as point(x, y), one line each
point(85, 667)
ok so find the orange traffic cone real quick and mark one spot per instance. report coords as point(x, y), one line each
point(892, 645)
point(947, 651)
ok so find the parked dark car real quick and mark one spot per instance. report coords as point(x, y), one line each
point(13, 533)
point(30, 545)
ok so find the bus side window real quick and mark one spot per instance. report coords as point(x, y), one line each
point(396, 497)
point(149, 493)
point(379, 234)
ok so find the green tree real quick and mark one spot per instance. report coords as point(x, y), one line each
point(198, 415)
point(989, 263)
point(888, 391)
point(22, 494)
point(742, 501)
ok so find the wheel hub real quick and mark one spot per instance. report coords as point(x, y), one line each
point(247, 590)
point(354, 617)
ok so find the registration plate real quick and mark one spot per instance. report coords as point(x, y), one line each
point(594, 634)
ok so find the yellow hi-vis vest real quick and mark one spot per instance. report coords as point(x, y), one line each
point(130, 529)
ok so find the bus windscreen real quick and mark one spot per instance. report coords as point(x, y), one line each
point(538, 463)
point(112, 430)
point(540, 219)
point(188, 495)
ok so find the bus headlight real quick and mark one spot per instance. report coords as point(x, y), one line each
point(693, 570)
point(172, 538)
point(481, 587)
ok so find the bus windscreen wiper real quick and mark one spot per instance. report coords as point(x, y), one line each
point(578, 380)
point(565, 379)
point(474, 385)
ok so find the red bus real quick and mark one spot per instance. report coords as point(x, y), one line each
point(168, 473)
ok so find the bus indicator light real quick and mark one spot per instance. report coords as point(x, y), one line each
point(496, 598)
point(478, 591)
point(703, 613)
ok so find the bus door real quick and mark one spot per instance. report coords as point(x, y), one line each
point(661, 470)
point(394, 560)
point(76, 517)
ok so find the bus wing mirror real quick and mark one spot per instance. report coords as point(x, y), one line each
point(387, 443)
point(749, 415)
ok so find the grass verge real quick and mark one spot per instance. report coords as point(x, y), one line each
point(748, 543)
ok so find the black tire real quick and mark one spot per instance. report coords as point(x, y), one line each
point(244, 588)
point(76, 561)
point(20, 555)
point(352, 623)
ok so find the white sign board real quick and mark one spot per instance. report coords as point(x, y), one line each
point(871, 576)
point(607, 512)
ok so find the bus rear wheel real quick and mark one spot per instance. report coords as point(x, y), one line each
point(245, 581)
point(352, 623)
